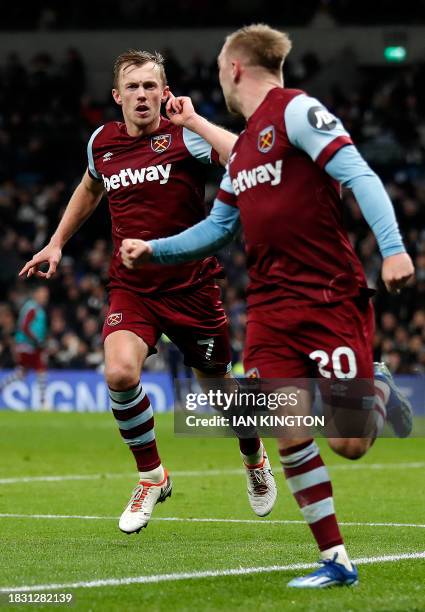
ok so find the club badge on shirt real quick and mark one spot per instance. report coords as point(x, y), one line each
point(114, 318)
point(266, 139)
point(160, 143)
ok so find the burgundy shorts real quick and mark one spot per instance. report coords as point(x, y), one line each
point(31, 361)
point(329, 341)
point(194, 320)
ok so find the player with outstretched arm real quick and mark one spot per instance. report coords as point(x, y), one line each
point(309, 310)
point(151, 169)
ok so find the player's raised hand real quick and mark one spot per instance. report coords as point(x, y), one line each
point(51, 255)
point(396, 271)
point(173, 104)
point(134, 253)
point(180, 110)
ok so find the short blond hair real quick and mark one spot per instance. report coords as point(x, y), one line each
point(134, 57)
point(261, 45)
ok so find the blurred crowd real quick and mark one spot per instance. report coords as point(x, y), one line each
point(110, 14)
point(46, 118)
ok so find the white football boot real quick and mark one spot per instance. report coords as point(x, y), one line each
point(142, 501)
point(262, 491)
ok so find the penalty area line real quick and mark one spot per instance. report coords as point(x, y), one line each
point(239, 571)
point(178, 519)
point(203, 473)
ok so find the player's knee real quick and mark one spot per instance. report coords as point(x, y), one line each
point(350, 448)
point(121, 376)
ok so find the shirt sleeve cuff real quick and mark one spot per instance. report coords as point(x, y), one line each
point(227, 198)
point(329, 151)
point(95, 178)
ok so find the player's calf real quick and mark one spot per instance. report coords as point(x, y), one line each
point(398, 410)
point(261, 486)
point(309, 482)
point(386, 404)
point(134, 416)
point(350, 448)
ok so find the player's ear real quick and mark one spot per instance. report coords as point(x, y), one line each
point(116, 96)
point(236, 71)
point(165, 94)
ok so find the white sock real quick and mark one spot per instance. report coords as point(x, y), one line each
point(255, 458)
point(342, 557)
point(382, 393)
point(155, 476)
point(384, 388)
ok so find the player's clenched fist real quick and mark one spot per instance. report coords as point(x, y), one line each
point(396, 271)
point(51, 255)
point(180, 110)
point(134, 253)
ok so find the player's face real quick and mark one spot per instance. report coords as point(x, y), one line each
point(140, 93)
point(227, 82)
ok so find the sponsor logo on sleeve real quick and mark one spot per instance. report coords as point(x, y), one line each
point(321, 119)
point(161, 143)
point(114, 318)
point(266, 139)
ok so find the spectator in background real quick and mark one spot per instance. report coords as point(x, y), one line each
point(72, 74)
point(30, 340)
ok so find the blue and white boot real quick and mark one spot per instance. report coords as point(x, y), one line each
point(329, 574)
point(398, 407)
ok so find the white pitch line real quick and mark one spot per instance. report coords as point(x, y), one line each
point(240, 571)
point(179, 519)
point(281, 522)
point(378, 466)
point(83, 517)
point(203, 473)
point(26, 479)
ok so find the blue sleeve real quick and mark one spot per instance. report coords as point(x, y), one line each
point(203, 239)
point(312, 128)
point(92, 170)
point(349, 168)
point(197, 146)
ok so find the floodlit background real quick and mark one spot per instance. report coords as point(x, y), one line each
point(65, 478)
point(55, 79)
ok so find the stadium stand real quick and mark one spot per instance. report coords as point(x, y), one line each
point(49, 15)
point(47, 116)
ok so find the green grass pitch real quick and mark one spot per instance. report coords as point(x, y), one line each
point(387, 486)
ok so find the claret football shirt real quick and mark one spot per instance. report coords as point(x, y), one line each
point(290, 208)
point(155, 187)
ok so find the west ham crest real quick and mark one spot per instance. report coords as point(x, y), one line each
point(266, 139)
point(114, 319)
point(159, 144)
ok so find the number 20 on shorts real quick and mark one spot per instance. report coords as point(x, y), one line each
point(323, 359)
